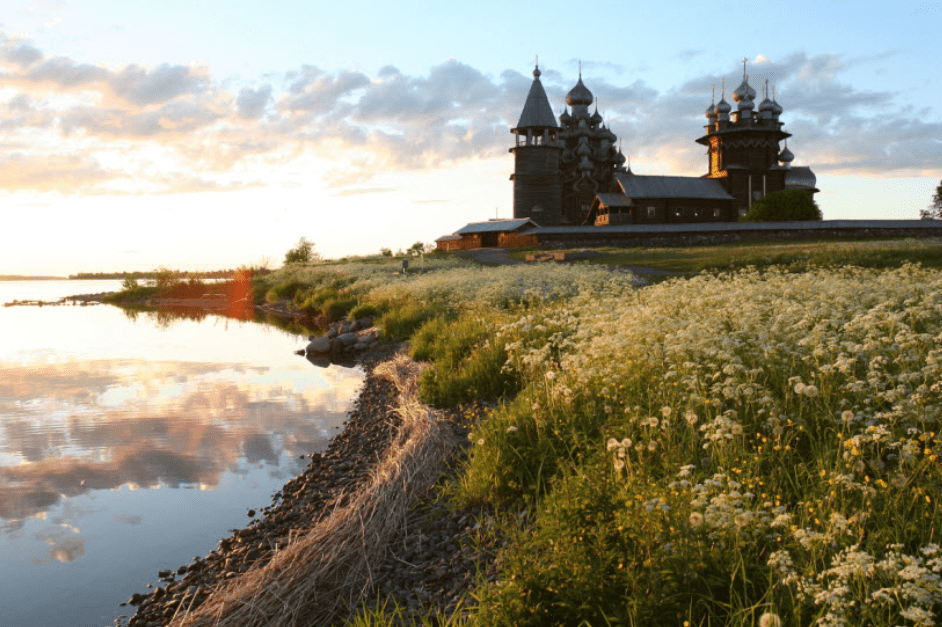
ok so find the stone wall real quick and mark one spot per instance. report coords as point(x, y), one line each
point(650, 236)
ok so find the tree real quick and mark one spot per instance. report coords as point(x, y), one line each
point(784, 205)
point(302, 253)
point(419, 249)
point(385, 252)
point(934, 212)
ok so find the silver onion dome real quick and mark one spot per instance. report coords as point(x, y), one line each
point(765, 105)
point(744, 91)
point(711, 113)
point(785, 157)
point(579, 95)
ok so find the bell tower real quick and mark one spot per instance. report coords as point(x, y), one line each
point(536, 159)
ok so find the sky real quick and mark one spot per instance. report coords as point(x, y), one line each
point(208, 135)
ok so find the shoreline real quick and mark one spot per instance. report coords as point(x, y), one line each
point(427, 569)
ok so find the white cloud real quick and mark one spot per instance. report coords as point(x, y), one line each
point(184, 128)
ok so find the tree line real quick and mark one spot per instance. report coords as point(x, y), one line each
point(153, 274)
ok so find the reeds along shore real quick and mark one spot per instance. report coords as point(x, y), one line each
point(328, 568)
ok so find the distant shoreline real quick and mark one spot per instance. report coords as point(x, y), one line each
point(18, 277)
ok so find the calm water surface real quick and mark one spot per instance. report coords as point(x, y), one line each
point(132, 445)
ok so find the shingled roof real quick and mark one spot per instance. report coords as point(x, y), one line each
point(496, 226)
point(636, 186)
point(537, 111)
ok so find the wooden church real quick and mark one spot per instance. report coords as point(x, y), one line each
point(572, 173)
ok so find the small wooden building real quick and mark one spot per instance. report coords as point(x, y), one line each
point(489, 234)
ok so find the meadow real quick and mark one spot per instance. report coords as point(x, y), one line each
point(758, 446)
point(796, 256)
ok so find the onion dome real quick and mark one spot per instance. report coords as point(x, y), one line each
point(765, 108)
point(565, 117)
point(620, 158)
point(579, 95)
point(786, 157)
point(776, 107)
point(596, 118)
point(723, 108)
point(744, 92)
point(711, 113)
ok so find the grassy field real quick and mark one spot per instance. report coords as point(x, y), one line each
point(792, 255)
point(757, 446)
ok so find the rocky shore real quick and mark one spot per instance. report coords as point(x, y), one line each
point(428, 569)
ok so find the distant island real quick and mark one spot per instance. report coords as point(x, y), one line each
point(20, 277)
point(177, 274)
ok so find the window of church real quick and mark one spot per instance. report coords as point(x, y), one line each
point(756, 195)
point(651, 212)
point(716, 213)
point(742, 212)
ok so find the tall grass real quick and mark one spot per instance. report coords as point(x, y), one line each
point(733, 450)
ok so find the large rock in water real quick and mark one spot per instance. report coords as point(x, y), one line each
point(348, 339)
point(319, 345)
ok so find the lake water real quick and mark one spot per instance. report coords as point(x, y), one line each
point(128, 446)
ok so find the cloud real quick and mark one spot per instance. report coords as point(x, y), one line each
point(183, 129)
point(59, 173)
point(18, 53)
point(252, 102)
point(141, 86)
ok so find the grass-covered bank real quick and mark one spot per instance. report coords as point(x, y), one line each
point(796, 256)
point(738, 448)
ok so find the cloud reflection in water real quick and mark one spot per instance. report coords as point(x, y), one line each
point(70, 427)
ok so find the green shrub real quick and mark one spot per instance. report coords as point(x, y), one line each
point(367, 310)
point(403, 318)
point(303, 252)
point(426, 343)
point(286, 289)
point(784, 205)
point(337, 308)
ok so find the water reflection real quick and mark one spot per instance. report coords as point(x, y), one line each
point(63, 547)
point(97, 425)
point(128, 446)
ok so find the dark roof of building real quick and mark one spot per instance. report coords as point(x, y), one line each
point(615, 200)
point(495, 226)
point(635, 186)
point(448, 238)
point(537, 111)
point(800, 177)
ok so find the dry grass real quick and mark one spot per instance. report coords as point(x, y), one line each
point(328, 568)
